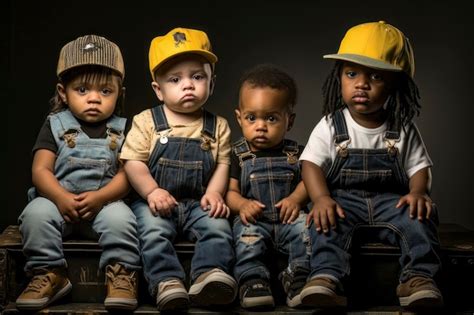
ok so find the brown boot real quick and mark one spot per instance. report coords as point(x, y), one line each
point(121, 288)
point(46, 286)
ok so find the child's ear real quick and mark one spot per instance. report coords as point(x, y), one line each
point(156, 87)
point(291, 120)
point(237, 115)
point(61, 92)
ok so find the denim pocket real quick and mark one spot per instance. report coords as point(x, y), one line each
point(85, 174)
point(269, 188)
point(182, 179)
point(364, 179)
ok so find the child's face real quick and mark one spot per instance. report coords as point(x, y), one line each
point(365, 90)
point(263, 115)
point(185, 85)
point(93, 100)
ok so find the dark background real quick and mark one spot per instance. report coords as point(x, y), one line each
point(291, 34)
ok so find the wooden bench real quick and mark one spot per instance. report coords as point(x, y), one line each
point(372, 284)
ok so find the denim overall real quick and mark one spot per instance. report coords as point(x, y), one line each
point(367, 184)
point(82, 164)
point(269, 180)
point(183, 167)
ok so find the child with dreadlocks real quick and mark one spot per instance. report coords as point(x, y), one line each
point(365, 164)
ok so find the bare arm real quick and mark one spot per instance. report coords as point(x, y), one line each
point(418, 198)
point(89, 203)
point(159, 200)
point(140, 177)
point(324, 209)
point(248, 210)
point(290, 206)
point(49, 187)
point(213, 199)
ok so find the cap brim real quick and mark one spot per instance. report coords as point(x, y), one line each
point(206, 54)
point(365, 61)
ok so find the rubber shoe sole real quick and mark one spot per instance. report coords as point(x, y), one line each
point(217, 289)
point(37, 304)
point(258, 303)
point(322, 297)
point(422, 299)
point(120, 304)
point(175, 299)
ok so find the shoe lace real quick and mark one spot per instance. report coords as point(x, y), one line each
point(125, 282)
point(419, 281)
point(37, 283)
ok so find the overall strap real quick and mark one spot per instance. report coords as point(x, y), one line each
point(242, 150)
point(65, 126)
point(290, 148)
point(159, 118)
point(115, 129)
point(340, 127)
point(209, 125)
point(208, 132)
point(392, 136)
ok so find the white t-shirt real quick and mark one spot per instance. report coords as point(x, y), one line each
point(321, 149)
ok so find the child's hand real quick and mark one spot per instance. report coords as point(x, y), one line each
point(89, 204)
point(421, 205)
point(214, 202)
point(161, 202)
point(250, 211)
point(289, 210)
point(68, 207)
point(324, 213)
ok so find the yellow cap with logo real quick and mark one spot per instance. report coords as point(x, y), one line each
point(377, 45)
point(179, 41)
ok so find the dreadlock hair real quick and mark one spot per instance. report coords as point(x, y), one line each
point(402, 104)
point(267, 75)
point(88, 73)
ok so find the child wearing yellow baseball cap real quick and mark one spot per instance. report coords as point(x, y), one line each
point(78, 180)
point(177, 157)
point(365, 164)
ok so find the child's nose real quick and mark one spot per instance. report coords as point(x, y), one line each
point(362, 81)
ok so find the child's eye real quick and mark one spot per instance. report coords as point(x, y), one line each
point(198, 77)
point(251, 118)
point(81, 89)
point(272, 119)
point(351, 74)
point(106, 91)
point(376, 77)
point(173, 80)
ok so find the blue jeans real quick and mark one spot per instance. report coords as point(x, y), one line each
point(212, 237)
point(418, 241)
point(43, 228)
point(251, 246)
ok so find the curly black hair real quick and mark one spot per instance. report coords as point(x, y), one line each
point(402, 106)
point(268, 75)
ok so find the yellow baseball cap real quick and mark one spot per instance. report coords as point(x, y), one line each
point(179, 41)
point(377, 45)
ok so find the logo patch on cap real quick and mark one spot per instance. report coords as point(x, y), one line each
point(179, 38)
point(89, 47)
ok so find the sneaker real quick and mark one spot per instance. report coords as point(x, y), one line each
point(293, 283)
point(121, 288)
point(256, 294)
point(419, 292)
point(213, 287)
point(47, 286)
point(172, 295)
point(323, 292)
